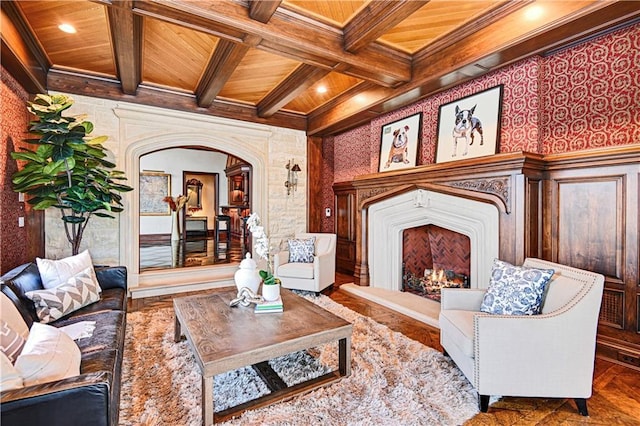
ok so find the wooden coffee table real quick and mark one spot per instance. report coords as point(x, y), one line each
point(225, 339)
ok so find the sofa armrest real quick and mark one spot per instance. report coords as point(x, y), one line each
point(78, 400)
point(465, 299)
point(111, 276)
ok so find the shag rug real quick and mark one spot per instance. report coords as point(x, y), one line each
point(394, 380)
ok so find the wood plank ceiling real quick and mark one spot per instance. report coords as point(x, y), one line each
point(323, 66)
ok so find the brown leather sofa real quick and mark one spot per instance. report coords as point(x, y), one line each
point(93, 397)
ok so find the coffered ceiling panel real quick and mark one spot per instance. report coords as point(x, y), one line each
point(256, 75)
point(88, 49)
point(265, 61)
point(435, 20)
point(174, 56)
point(327, 88)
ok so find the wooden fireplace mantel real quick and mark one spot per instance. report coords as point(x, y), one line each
point(510, 181)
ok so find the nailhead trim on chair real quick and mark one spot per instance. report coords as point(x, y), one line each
point(588, 282)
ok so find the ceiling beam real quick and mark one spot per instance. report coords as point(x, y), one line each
point(286, 34)
point(375, 19)
point(126, 34)
point(297, 82)
point(263, 10)
point(226, 57)
point(21, 53)
point(96, 87)
point(440, 71)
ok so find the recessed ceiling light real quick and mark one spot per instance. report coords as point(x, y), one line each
point(534, 12)
point(67, 28)
point(321, 89)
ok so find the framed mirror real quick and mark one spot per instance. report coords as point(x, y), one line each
point(194, 191)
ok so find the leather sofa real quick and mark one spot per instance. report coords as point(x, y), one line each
point(93, 397)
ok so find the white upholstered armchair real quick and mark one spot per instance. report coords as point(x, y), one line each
point(315, 276)
point(546, 355)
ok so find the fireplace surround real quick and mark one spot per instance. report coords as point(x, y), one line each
point(389, 217)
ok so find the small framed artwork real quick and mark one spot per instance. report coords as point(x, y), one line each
point(469, 127)
point(154, 187)
point(399, 143)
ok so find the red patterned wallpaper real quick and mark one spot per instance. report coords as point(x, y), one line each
point(583, 97)
point(590, 94)
point(13, 250)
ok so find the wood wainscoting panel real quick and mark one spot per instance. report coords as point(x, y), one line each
point(590, 234)
point(591, 220)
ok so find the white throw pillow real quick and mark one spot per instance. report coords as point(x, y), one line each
point(48, 355)
point(54, 303)
point(10, 377)
point(56, 272)
point(11, 316)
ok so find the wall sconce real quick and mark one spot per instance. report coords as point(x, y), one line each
point(292, 176)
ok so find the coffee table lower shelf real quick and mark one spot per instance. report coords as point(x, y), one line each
point(278, 392)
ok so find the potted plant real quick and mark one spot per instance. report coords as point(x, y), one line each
point(68, 169)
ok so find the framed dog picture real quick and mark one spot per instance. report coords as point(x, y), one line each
point(469, 127)
point(399, 143)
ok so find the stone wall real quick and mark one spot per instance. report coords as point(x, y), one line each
point(134, 130)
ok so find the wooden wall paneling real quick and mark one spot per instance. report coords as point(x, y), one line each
point(314, 184)
point(591, 221)
point(344, 214)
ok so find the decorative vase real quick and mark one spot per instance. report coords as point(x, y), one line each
point(175, 226)
point(270, 292)
point(247, 275)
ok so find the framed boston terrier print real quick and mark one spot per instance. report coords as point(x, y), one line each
point(469, 127)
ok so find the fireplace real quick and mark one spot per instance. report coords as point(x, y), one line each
point(432, 258)
point(389, 218)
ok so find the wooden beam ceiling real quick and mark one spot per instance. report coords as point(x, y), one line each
point(126, 33)
point(384, 78)
point(375, 19)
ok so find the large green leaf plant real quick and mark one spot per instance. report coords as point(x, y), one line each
point(67, 169)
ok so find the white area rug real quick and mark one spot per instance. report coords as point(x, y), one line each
point(394, 380)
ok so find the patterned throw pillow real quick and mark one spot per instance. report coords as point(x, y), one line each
point(54, 303)
point(11, 342)
point(515, 290)
point(302, 251)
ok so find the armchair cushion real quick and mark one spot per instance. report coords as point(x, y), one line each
point(296, 270)
point(302, 250)
point(515, 290)
point(458, 324)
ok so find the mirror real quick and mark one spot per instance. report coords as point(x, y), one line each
point(194, 191)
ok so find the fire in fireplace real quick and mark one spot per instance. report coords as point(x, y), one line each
point(432, 282)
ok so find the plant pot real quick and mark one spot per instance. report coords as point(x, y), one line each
point(270, 292)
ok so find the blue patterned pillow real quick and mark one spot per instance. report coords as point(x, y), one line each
point(515, 290)
point(302, 251)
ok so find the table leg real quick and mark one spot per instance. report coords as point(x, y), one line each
point(207, 401)
point(177, 332)
point(344, 356)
